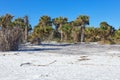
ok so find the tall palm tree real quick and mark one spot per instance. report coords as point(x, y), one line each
point(60, 21)
point(44, 28)
point(82, 21)
point(26, 22)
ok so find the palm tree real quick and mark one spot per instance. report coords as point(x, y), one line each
point(44, 28)
point(6, 21)
point(66, 28)
point(82, 21)
point(60, 21)
point(26, 22)
point(19, 22)
point(106, 32)
point(75, 31)
point(45, 21)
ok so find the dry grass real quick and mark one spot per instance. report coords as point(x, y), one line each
point(9, 39)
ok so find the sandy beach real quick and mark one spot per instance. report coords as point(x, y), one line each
point(58, 61)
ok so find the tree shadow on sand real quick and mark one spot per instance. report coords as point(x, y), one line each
point(48, 47)
point(39, 49)
point(50, 44)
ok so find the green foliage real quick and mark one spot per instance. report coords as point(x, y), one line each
point(116, 36)
point(82, 20)
point(43, 29)
point(91, 34)
point(45, 21)
point(42, 32)
point(6, 21)
point(66, 28)
point(105, 30)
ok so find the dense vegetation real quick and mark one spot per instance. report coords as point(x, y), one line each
point(75, 31)
point(64, 31)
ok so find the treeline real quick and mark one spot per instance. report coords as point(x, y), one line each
point(64, 31)
point(75, 31)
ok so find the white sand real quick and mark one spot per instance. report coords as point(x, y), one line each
point(62, 62)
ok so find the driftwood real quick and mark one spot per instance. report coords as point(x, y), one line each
point(28, 63)
point(83, 58)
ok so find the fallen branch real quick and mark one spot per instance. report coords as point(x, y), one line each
point(28, 63)
point(83, 58)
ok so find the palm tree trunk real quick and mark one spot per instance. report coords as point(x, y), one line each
point(61, 35)
point(26, 34)
point(26, 28)
point(61, 32)
point(82, 33)
point(75, 37)
point(66, 36)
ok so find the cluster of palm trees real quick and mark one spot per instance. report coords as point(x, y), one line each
point(68, 30)
point(72, 31)
point(75, 31)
